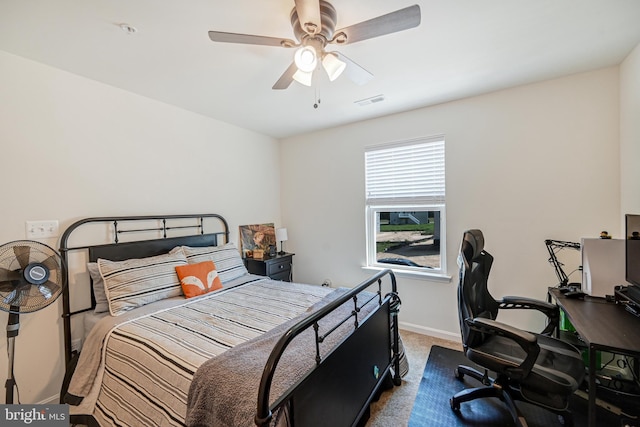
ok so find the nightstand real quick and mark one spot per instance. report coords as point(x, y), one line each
point(277, 267)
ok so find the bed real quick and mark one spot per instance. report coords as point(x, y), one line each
point(254, 352)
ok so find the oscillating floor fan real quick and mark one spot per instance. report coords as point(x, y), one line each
point(30, 280)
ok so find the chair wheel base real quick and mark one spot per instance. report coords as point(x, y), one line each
point(566, 419)
point(459, 375)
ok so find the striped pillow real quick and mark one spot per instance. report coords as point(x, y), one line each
point(226, 258)
point(136, 282)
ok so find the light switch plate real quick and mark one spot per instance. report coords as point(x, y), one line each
point(42, 229)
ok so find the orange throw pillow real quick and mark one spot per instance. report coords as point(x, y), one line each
point(198, 279)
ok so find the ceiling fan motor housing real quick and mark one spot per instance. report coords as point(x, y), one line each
point(328, 18)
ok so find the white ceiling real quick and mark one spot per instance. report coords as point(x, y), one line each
point(461, 48)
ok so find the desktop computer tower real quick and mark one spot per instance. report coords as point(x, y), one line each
point(603, 265)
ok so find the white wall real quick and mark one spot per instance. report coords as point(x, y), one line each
point(630, 132)
point(525, 164)
point(72, 147)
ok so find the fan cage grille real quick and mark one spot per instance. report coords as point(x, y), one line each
point(16, 294)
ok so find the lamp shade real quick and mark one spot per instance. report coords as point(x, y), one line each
point(281, 234)
point(303, 77)
point(333, 66)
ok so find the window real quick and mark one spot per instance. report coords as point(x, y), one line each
point(405, 206)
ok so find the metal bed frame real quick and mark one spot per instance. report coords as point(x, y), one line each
point(373, 343)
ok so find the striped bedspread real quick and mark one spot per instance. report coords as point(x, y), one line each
point(148, 361)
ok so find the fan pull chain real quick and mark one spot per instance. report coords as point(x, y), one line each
point(316, 99)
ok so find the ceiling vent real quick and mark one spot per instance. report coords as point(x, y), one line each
point(368, 101)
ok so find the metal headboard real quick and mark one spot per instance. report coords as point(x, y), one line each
point(116, 250)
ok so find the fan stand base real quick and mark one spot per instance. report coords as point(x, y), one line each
point(13, 326)
point(11, 382)
point(9, 385)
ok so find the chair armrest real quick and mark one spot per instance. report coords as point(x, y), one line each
point(526, 340)
point(550, 310)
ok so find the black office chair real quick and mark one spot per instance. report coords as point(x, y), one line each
point(534, 368)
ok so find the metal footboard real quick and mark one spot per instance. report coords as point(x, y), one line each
point(375, 338)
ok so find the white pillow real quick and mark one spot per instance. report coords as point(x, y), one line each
point(227, 259)
point(135, 282)
point(102, 304)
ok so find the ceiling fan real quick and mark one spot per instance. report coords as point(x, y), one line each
point(314, 23)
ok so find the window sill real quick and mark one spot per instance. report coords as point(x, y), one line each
point(412, 274)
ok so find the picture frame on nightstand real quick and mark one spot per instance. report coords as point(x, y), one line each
point(256, 237)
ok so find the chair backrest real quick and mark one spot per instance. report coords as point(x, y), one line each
point(474, 299)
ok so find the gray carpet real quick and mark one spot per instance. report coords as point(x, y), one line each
point(394, 407)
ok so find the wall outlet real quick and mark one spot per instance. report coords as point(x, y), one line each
point(327, 282)
point(42, 229)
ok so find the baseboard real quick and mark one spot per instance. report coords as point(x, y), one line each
point(50, 400)
point(424, 330)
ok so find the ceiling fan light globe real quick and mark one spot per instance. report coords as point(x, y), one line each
point(333, 66)
point(303, 77)
point(306, 59)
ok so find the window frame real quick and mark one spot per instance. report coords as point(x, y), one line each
point(371, 227)
point(373, 208)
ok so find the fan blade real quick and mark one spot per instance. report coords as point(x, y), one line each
point(8, 275)
point(51, 263)
point(219, 36)
point(399, 20)
point(309, 16)
point(45, 291)
point(48, 289)
point(7, 286)
point(17, 295)
point(11, 297)
point(355, 72)
point(22, 255)
point(286, 78)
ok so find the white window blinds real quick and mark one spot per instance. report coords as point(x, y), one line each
point(406, 173)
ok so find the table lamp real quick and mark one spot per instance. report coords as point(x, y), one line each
point(281, 235)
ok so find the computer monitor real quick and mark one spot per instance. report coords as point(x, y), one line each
point(632, 249)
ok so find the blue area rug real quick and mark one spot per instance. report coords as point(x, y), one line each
point(432, 409)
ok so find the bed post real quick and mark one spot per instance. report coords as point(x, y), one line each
point(394, 308)
point(66, 306)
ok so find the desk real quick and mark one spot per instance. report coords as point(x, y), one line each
point(603, 326)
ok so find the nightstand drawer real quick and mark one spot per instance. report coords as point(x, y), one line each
point(279, 266)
